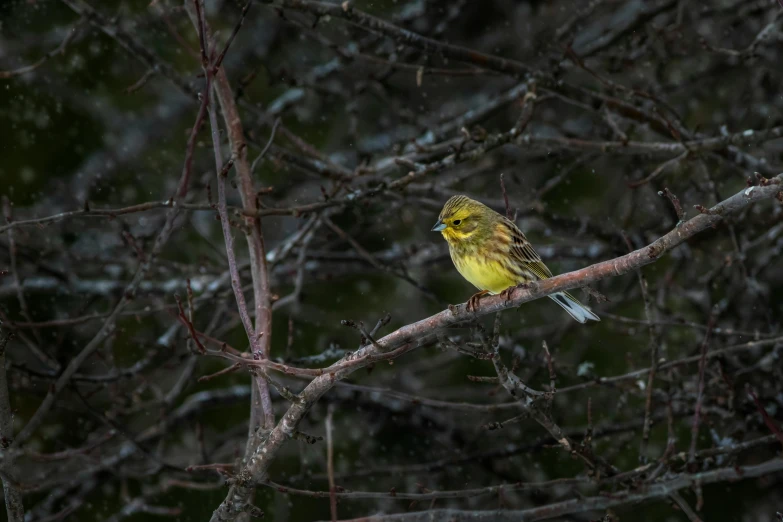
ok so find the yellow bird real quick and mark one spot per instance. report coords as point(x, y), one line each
point(494, 255)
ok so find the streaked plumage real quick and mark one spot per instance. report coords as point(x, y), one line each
point(491, 252)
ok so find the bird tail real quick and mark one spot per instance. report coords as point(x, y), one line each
point(574, 308)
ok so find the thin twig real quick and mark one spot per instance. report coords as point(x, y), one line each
point(505, 196)
point(330, 464)
point(59, 50)
point(769, 421)
point(11, 491)
point(700, 391)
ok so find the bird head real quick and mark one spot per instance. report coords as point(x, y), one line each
point(462, 218)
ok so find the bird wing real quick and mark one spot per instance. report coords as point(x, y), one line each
point(524, 255)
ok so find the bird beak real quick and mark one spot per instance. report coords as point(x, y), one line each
point(439, 226)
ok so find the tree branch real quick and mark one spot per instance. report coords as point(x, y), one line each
point(424, 331)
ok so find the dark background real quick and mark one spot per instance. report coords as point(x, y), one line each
point(71, 134)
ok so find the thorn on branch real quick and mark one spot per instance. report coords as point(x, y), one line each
point(366, 336)
point(675, 203)
point(773, 427)
point(226, 167)
point(383, 321)
point(191, 329)
point(234, 367)
point(505, 196)
point(304, 437)
point(284, 392)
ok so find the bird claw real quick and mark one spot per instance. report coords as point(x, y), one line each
point(473, 301)
point(506, 294)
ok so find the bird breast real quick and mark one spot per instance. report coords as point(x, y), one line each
point(483, 270)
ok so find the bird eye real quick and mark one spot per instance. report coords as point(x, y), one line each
point(457, 222)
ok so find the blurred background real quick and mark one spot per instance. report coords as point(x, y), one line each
point(601, 106)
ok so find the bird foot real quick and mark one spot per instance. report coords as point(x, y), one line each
point(506, 294)
point(474, 299)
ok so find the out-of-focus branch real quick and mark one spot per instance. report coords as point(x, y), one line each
point(130, 43)
point(259, 336)
point(70, 35)
point(432, 495)
point(330, 464)
point(13, 496)
point(746, 137)
point(764, 37)
point(374, 24)
point(128, 294)
point(103, 332)
point(584, 505)
point(534, 409)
